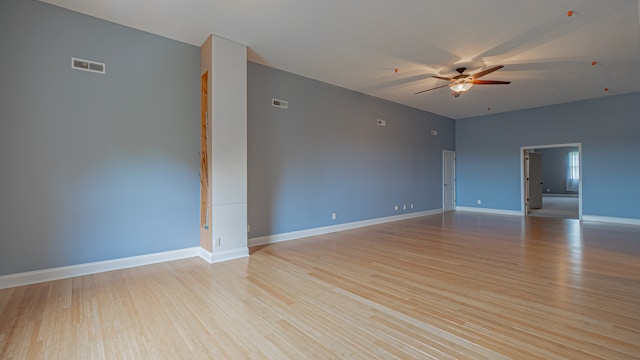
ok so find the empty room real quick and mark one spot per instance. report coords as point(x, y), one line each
point(207, 179)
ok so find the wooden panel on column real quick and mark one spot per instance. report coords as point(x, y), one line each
point(204, 161)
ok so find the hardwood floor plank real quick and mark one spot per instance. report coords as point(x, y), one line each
point(447, 286)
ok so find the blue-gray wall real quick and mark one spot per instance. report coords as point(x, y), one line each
point(555, 163)
point(94, 167)
point(326, 154)
point(488, 153)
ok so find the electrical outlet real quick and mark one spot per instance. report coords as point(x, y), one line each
point(333, 216)
point(218, 241)
point(411, 206)
point(397, 208)
point(404, 207)
point(248, 228)
point(479, 202)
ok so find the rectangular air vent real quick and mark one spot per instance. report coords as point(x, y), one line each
point(280, 103)
point(86, 65)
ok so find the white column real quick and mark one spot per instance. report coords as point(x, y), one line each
point(228, 137)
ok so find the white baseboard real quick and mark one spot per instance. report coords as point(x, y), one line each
point(215, 257)
point(574, 195)
point(612, 220)
point(489, 211)
point(270, 239)
point(32, 277)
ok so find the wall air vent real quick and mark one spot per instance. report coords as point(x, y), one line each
point(280, 103)
point(86, 65)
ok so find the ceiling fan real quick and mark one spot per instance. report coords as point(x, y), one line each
point(463, 82)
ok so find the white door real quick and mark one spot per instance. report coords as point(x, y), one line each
point(448, 180)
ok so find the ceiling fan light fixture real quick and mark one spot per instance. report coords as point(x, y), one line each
point(461, 86)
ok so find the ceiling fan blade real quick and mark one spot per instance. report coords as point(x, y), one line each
point(491, 82)
point(485, 72)
point(420, 92)
point(442, 78)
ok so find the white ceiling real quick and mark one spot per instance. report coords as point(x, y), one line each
point(357, 44)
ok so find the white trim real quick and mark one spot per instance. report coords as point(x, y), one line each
point(559, 195)
point(32, 277)
point(223, 255)
point(270, 239)
point(205, 255)
point(612, 220)
point(489, 211)
point(522, 190)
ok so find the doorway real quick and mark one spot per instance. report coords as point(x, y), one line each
point(551, 181)
point(448, 180)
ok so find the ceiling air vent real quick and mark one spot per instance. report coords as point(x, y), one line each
point(280, 103)
point(86, 65)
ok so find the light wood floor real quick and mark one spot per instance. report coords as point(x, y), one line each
point(456, 285)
